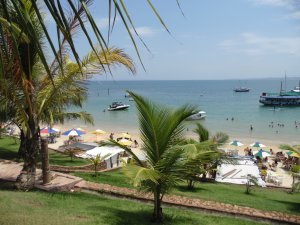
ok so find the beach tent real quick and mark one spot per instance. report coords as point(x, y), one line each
point(237, 173)
point(77, 145)
point(113, 158)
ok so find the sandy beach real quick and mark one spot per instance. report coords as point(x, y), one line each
point(90, 137)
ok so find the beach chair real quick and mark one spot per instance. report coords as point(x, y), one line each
point(278, 180)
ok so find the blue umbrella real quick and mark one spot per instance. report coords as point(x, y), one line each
point(73, 132)
point(48, 130)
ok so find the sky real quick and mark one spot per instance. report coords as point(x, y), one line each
point(215, 39)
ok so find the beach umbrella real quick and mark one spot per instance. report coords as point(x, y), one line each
point(262, 153)
point(73, 132)
point(125, 142)
point(48, 130)
point(293, 154)
point(98, 132)
point(80, 129)
point(125, 135)
point(257, 145)
point(236, 143)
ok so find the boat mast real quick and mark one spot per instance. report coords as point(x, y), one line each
point(285, 81)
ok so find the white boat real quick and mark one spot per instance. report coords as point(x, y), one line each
point(197, 116)
point(242, 89)
point(115, 106)
point(297, 89)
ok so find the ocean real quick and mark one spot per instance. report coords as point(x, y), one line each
point(227, 111)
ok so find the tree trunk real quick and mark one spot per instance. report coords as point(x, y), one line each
point(30, 149)
point(157, 214)
point(22, 147)
point(190, 184)
point(45, 161)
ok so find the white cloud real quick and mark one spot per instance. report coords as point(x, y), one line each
point(254, 44)
point(292, 5)
point(295, 15)
point(286, 3)
point(103, 23)
point(144, 31)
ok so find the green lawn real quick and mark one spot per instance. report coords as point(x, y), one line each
point(60, 159)
point(114, 177)
point(9, 148)
point(260, 198)
point(37, 207)
point(9, 151)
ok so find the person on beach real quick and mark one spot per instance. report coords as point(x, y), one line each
point(111, 136)
point(251, 128)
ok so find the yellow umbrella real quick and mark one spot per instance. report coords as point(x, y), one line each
point(125, 135)
point(294, 154)
point(98, 131)
point(125, 142)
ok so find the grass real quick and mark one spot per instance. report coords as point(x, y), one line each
point(56, 158)
point(261, 198)
point(114, 177)
point(9, 150)
point(37, 207)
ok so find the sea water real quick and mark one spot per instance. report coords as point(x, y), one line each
point(227, 111)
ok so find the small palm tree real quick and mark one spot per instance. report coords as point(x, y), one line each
point(202, 156)
point(97, 161)
point(161, 134)
point(251, 182)
point(72, 152)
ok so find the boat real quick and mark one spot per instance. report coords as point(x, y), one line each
point(283, 98)
point(197, 116)
point(116, 106)
point(289, 98)
point(242, 89)
point(296, 89)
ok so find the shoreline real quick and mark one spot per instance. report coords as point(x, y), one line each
point(134, 132)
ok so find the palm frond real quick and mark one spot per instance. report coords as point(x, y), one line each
point(202, 132)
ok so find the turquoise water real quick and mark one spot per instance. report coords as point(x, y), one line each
point(215, 97)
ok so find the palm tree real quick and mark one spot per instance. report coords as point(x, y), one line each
point(201, 156)
point(23, 9)
point(96, 161)
point(161, 135)
point(27, 88)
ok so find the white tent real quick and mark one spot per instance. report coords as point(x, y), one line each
point(111, 161)
point(237, 173)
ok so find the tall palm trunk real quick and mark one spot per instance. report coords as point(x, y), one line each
point(157, 214)
point(30, 148)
